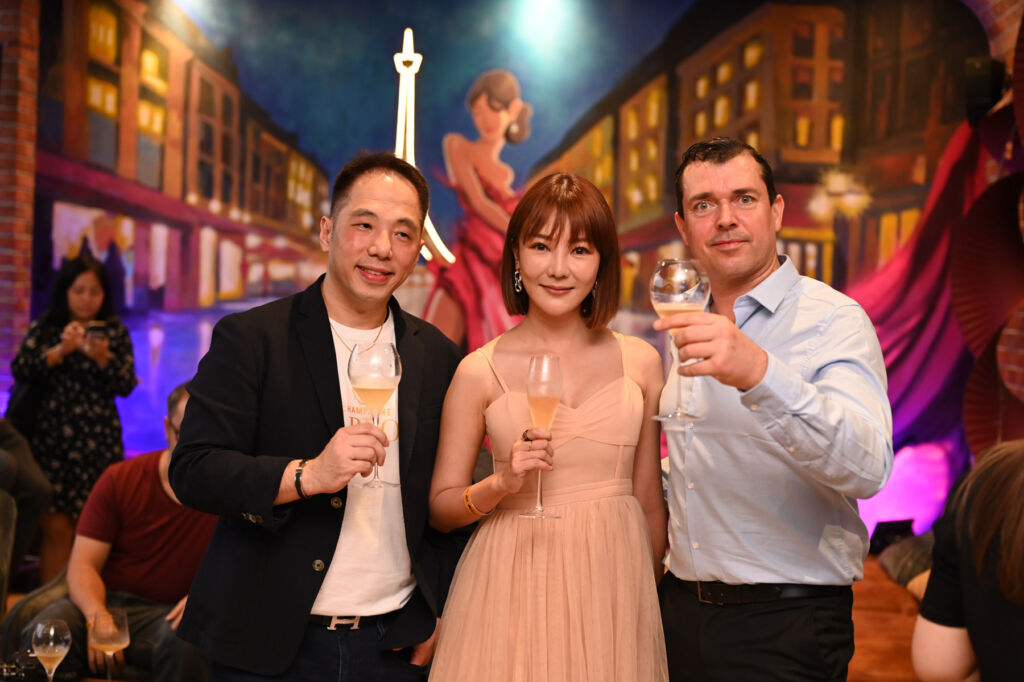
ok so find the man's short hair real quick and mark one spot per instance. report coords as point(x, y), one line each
point(718, 150)
point(382, 162)
point(176, 396)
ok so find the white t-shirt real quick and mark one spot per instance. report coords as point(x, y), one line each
point(371, 572)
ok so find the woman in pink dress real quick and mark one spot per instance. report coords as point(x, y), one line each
point(573, 597)
point(466, 302)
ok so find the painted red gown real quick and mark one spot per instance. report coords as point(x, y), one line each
point(474, 279)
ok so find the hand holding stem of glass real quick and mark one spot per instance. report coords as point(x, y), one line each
point(51, 640)
point(543, 395)
point(678, 286)
point(374, 370)
point(108, 632)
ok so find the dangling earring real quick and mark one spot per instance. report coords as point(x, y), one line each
point(593, 292)
point(517, 281)
point(513, 129)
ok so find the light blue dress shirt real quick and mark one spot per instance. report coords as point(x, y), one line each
point(763, 487)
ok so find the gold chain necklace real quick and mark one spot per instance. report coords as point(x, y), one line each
point(337, 335)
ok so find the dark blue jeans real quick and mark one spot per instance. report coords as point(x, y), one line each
point(340, 655)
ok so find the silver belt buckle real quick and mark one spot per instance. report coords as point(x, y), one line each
point(341, 620)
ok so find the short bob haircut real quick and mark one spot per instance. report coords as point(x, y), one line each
point(575, 203)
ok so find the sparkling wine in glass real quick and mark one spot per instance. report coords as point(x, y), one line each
point(108, 632)
point(679, 286)
point(374, 370)
point(51, 640)
point(543, 394)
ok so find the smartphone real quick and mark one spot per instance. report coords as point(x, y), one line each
point(96, 328)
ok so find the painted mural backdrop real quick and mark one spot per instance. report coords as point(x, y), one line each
point(190, 145)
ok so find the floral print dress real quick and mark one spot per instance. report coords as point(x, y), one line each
point(78, 432)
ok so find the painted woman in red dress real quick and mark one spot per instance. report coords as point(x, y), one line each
point(466, 301)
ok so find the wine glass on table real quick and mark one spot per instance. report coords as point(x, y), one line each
point(108, 632)
point(374, 370)
point(51, 640)
point(679, 286)
point(543, 394)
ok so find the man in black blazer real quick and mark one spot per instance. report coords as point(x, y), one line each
point(309, 575)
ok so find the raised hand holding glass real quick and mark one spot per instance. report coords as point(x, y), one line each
point(374, 369)
point(679, 286)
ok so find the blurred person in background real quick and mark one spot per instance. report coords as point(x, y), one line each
point(80, 355)
point(21, 476)
point(136, 548)
point(971, 622)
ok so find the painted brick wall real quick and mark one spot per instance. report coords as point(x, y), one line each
point(19, 77)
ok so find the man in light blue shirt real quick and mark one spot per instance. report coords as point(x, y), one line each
point(791, 425)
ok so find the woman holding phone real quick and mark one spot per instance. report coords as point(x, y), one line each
point(81, 355)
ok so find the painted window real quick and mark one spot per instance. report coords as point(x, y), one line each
point(700, 124)
point(802, 130)
point(150, 72)
point(836, 124)
point(723, 72)
point(701, 87)
point(722, 106)
point(101, 96)
point(751, 95)
point(102, 34)
point(803, 39)
point(752, 53)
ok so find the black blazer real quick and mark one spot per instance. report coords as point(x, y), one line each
point(267, 392)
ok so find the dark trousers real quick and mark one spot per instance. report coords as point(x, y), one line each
point(341, 655)
point(154, 647)
point(21, 476)
point(787, 640)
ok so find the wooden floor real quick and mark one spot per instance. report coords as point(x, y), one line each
point(883, 621)
point(883, 617)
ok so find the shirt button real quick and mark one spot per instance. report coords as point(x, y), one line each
point(689, 426)
point(690, 486)
point(696, 545)
point(791, 450)
point(336, 502)
point(318, 565)
point(754, 407)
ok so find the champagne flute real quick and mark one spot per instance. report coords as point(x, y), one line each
point(543, 394)
point(51, 640)
point(374, 370)
point(108, 632)
point(678, 286)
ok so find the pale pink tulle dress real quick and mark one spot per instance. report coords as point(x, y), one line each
point(546, 600)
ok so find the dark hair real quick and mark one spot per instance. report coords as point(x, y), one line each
point(379, 162)
point(581, 208)
point(718, 150)
point(180, 391)
point(58, 314)
point(501, 88)
point(990, 507)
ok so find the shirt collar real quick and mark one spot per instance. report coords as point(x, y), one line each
point(770, 292)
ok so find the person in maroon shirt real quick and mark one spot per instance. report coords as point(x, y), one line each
point(137, 548)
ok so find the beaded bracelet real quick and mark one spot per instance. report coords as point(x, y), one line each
point(469, 503)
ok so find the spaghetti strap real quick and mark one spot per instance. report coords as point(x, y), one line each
point(621, 338)
point(487, 350)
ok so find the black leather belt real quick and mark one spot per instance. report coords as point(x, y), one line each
point(720, 594)
point(344, 622)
